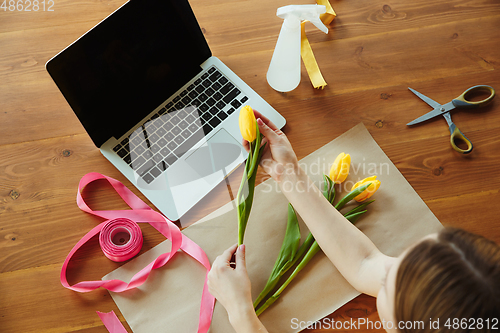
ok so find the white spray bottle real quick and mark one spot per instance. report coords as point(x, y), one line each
point(284, 71)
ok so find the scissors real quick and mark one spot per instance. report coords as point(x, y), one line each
point(461, 102)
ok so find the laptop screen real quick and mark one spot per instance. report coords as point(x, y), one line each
point(125, 67)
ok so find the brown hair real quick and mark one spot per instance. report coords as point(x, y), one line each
point(454, 278)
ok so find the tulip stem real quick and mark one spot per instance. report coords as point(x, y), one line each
point(244, 209)
point(247, 185)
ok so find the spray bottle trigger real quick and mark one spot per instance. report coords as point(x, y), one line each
point(312, 14)
point(320, 25)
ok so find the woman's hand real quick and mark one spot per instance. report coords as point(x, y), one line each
point(229, 283)
point(278, 157)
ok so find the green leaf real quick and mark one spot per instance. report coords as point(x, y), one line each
point(351, 195)
point(326, 188)
point(353, 218)
point(304, 247)
point(286, 256)
point(359, 208)
point(309, 255)
point(331, 196)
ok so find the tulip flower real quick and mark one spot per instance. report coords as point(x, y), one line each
point(340, 168)
point(248, 124)
point(369, 191)
point(338, 173)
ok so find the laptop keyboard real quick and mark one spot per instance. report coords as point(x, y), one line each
point(171, 132)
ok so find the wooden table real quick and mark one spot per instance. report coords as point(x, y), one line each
point(373, 52)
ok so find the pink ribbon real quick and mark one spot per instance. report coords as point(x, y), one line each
point(141, 213)
point(111, 322)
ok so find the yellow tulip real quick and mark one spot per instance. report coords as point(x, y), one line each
point(248, 124)
point(340, 168)
point(375, 184)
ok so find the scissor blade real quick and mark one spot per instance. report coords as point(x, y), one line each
point(426, 99)
point(427, 116)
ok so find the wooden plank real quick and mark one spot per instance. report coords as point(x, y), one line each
point(470, 211)
point(54, 14)
point(362, 309)
point(33, 300)
point(384, 60)
point(37, 197)
point(356, 65)
point(248, 21)
point(436, 171)
point(385, 112)
point(252, 28)
point(372, 17)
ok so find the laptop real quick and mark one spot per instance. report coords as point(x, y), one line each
point(158, 105)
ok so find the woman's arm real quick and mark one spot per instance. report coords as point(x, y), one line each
point(351, 251)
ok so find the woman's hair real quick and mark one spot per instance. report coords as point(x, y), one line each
point(454, 278)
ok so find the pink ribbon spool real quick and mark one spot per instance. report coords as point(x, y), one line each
point(142, 213)
point(120, 239)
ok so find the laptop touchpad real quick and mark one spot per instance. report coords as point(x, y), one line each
point(218, 154)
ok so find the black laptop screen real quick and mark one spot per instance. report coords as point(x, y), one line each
point(130, 63)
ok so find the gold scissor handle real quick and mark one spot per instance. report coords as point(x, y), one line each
point(463, 103)
point(457, 136)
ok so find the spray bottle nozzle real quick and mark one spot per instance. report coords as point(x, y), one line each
point(304, 12)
